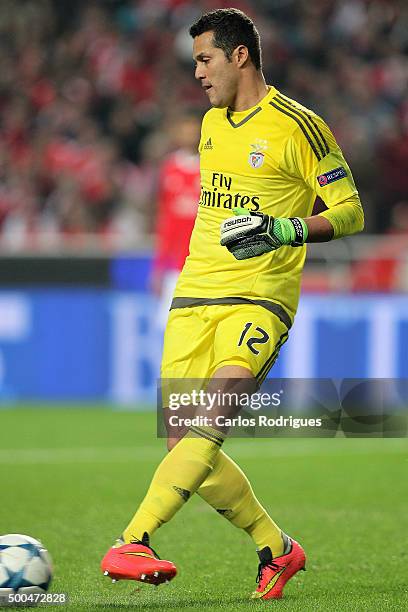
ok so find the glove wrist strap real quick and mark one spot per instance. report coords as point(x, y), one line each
point(301, 231)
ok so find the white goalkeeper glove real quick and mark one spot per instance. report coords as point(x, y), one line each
point(252, 234)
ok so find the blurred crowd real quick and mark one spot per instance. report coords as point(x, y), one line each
point(90, 93)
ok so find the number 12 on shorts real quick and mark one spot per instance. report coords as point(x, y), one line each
point(252, 340)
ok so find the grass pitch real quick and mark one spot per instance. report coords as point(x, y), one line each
point(74, 477)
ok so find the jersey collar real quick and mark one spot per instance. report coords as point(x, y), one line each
point(238, 118)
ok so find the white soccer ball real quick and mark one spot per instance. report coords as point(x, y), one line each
point(25, 566)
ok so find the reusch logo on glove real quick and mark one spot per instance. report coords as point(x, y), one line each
point(330, 177)
point(237, 221)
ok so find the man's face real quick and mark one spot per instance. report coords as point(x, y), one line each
point(217, 75)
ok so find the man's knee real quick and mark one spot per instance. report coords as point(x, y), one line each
point(234, 372)
point(233, 379)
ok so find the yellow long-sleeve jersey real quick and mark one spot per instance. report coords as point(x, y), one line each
point(273, 158)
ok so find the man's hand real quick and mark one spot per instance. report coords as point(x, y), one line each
point(251, 234)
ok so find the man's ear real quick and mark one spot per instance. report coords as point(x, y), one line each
point(240, 55)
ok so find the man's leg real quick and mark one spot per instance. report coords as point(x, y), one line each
point(190, 462)
point(238, 504)
point(178, 476)
point(228, 491)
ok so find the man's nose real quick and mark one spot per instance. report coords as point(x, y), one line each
point(199, 72)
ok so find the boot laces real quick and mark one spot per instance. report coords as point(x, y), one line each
point(144, 543)
point(262, 566)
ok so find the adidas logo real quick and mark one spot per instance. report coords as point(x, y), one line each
point(208, 145)
point(183, 492)
point(227, 512)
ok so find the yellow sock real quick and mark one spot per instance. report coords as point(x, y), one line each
point(178, 476)
point(228, 490)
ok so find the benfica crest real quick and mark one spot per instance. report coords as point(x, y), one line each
point(256, 157)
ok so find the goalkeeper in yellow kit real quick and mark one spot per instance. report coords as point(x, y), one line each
point(264, 158)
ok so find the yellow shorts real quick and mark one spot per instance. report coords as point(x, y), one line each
point(201, 339)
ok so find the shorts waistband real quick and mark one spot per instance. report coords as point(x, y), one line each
point(190, 302)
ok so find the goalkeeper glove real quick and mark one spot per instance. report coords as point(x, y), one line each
point(251, 234)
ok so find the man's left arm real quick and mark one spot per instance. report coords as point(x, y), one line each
point(342, 219)
point(254, 234)
point(331, 179)
point(328, 176)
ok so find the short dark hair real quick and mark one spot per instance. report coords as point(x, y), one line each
point(231, 28)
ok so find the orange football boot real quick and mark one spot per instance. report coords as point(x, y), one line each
point(137, 561)
point(273, 574)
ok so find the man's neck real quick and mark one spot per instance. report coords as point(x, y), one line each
point(251, 91)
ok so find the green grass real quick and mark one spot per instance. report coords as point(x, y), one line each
point(73, 479)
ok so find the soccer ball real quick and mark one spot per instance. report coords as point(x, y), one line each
point(25, 566)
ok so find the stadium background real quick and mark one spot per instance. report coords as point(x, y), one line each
point(89, 96)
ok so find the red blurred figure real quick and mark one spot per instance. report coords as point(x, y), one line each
point(177, 201)
point(385, 269)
